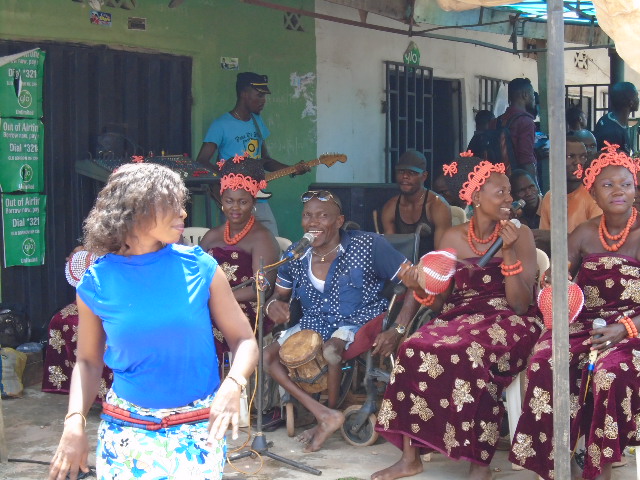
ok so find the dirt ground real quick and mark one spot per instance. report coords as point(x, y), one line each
point(33, 425)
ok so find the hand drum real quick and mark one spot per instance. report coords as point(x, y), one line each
point(436, 270)
point(575, 299)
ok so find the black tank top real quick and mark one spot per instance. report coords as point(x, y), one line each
point(426, 241)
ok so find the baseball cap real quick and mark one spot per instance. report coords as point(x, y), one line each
point(250, 79)
point(412, 160)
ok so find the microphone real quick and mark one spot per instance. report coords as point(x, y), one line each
point(518, 205)
point(306, 240)
point(497, 245)
point(593, 355)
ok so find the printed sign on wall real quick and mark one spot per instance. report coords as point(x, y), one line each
point(23, 222)
point(21, 79)
point(21, 165)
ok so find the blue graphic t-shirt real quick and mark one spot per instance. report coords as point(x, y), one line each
point(235, 137)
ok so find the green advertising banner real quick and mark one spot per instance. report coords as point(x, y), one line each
point(21, 146)
point(23, 218)
point(21, 79)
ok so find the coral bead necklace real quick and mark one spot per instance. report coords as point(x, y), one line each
point(240, 235)
point(622, 236)
point(471, 237)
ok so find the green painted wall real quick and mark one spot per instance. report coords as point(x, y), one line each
point(205, 30)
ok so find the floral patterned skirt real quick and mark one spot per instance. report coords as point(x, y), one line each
point(178, 452)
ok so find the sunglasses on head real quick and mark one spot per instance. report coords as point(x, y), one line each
point(322, 195)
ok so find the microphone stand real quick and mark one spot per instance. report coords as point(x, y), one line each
point(259, 443)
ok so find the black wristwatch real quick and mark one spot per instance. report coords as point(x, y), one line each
point(399, 328)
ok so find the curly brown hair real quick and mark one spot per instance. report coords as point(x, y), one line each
point(131, 199)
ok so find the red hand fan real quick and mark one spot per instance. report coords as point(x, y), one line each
point(575, 299)
point(436, 270)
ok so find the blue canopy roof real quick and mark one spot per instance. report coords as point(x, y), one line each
point(576, 11)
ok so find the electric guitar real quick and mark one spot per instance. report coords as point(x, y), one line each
point(328, 159)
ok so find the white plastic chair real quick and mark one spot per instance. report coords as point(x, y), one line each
point(193, 235)
point(284, 243)
point(458, 216)
point(514, 390)
point(543, 261)
point(514, 409)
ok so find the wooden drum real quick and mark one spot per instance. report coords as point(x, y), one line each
point(301, 353)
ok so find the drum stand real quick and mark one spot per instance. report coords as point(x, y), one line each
point(260, 444)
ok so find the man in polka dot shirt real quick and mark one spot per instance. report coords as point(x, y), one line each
point(338, 281)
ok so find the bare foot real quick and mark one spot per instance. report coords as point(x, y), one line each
point(306, 436)
point(402, 468)
point(479, 472)
point(327, 424)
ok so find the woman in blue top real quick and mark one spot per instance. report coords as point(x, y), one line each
point(145, 310)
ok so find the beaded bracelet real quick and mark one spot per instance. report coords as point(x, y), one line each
point(512, 272)
point(426, 301)
point(511, 267)
point(509, 270)
point(632, 331)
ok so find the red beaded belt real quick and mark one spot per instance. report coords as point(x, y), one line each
point(120, 416)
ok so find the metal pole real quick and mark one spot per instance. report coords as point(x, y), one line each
point(559, 256)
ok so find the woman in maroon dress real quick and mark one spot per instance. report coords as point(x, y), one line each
point(445, 390)
point(240, 243)
point(605, 254)
point(60, 355)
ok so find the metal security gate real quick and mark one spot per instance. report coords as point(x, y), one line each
point(409, 110)
point(592, 98)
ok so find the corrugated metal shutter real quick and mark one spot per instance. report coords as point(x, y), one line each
point(89, 90)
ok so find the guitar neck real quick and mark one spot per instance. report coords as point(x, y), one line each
point(289, 170)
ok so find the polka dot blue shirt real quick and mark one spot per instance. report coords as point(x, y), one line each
point(353, 285)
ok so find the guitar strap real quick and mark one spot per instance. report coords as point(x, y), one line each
point(260, 137)
point(261, 194)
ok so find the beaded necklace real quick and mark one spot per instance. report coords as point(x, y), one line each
point(471, 237)
point(239, 236)
point(622, 236)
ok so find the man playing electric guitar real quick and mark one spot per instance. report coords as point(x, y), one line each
point(242, 131)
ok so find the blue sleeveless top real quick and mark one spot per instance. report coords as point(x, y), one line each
point(155, 312)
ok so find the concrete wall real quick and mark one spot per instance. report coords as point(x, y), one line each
point(351, 82)
point(206, 30)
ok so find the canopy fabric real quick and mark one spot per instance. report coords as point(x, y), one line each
point(620, 19)
point(575, 11)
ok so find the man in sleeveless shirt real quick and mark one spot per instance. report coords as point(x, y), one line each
point(416, 204)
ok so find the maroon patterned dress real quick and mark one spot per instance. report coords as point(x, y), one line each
point(445, 389)
point(610, 416)
point(60, 356)
point(237, 267)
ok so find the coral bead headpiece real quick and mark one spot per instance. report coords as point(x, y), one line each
point(610, 156)
point(237, 180)
point(476, 179)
